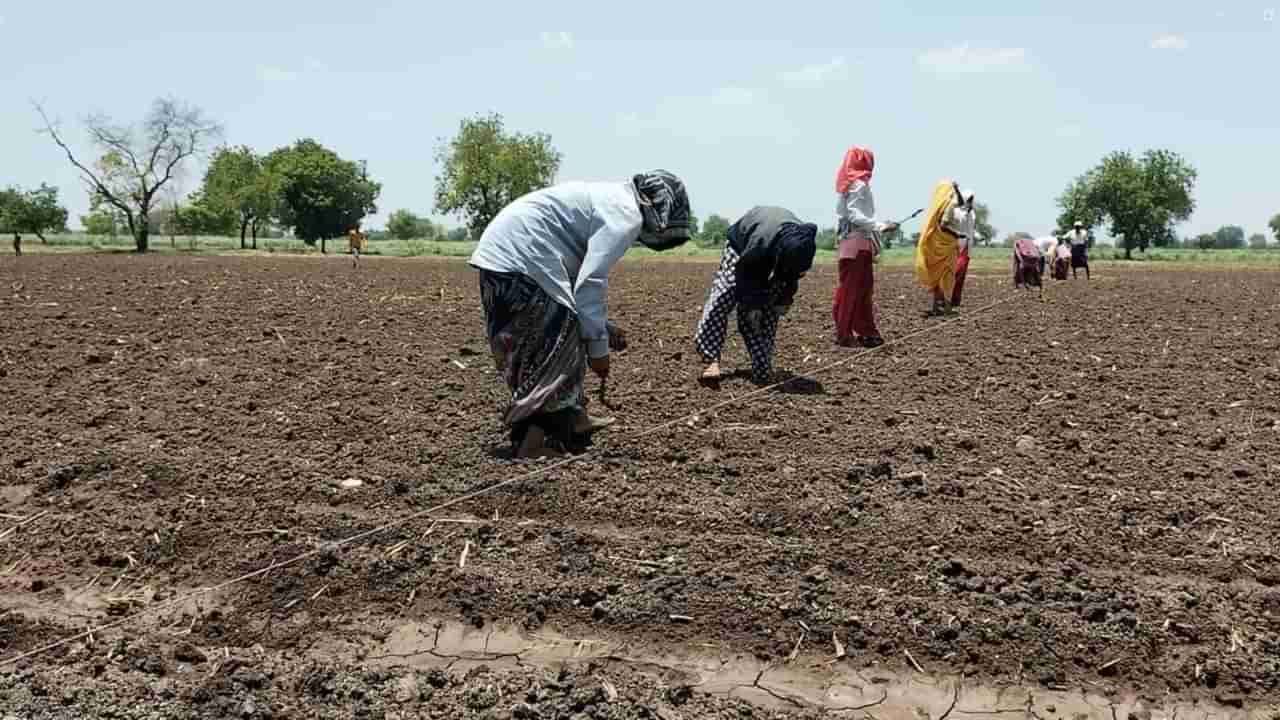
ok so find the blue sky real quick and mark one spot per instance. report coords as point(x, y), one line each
point(750, 103)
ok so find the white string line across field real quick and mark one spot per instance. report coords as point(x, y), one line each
point(331, 547)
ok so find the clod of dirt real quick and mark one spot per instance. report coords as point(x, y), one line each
point(189, 653)
point(1095, 613)
point(94, 358)
point(60, 477)
point(1216, 441)
point(1242, 471)
point(252, 679)
point(1230, 700)
point(953, 568)
point(914, 479)
point(926, 451)
point(881, 470)
point(817, 575)
point(407, 690)
point(1026, 446)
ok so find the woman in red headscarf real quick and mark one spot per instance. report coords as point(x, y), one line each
point(859, 242)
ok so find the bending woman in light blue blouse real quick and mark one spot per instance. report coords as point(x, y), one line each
point(544, 267)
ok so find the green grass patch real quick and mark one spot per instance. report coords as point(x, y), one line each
point(984, 258)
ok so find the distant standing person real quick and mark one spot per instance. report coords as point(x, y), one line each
point(1079, 239)
point(356, 244)
point(17, 244)
point(853, 307)
point(544, 267)
point(968, 230)
point(767, 252)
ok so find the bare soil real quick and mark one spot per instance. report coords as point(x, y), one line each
point(1078, 494)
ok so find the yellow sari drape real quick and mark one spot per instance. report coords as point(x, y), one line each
point(937, 250)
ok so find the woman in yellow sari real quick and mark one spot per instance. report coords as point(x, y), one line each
point(937, 250)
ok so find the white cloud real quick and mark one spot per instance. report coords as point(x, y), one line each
point(733, 96)
point(719, 113)
point(1170, 42)
point(275, 74)
point(813, 77)
point(557, 40)
point(966, 59)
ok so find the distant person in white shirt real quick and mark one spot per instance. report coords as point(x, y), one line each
point(1079, 239)
point(1047, 245)
point(968, 215)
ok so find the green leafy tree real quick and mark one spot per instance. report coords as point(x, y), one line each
point(985, 232)
point(9, 202)
point(715, 231)
point(1258, 241)
point(1206, 241)
point(1229, 237)
point(1142, 198)
point(101, 222)
point(321, 196)
point(457, 235)
point(404, 225)
point(1274, 224)
point(138, 161)
point(236, 183)
point(203, 218)
point(33, 211)
point(484, 169)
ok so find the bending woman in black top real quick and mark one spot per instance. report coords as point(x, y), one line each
point(767, 252)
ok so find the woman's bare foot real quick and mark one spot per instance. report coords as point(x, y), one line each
point(711, 374)
point(534, 446)
point(586, 424)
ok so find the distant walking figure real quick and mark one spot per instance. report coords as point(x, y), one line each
point(1079, 239)
point(17, 244)
point(356, 242)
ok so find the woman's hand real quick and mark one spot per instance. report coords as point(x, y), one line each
point(617, 338)
point(599, 366)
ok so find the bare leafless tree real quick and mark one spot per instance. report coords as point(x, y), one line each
point(138, 161)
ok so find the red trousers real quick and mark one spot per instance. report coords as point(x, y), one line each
point(962, 268)
point(853, 308)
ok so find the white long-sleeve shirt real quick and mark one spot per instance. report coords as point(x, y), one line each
point(965, 224)
point(566, 238)
point(857, 207)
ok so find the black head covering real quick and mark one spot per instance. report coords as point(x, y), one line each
point(797, 246)
point(665, 207)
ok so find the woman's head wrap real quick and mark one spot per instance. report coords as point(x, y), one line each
point(796, 248)
point(664, 204)
point(858, 165)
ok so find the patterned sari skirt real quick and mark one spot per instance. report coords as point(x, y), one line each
point(537, 346)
